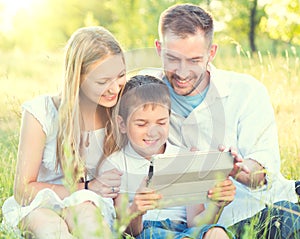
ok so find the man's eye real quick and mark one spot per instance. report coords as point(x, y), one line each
point(194, 61)
point(172, 60)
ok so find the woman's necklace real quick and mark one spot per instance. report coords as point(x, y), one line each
point(86, 141)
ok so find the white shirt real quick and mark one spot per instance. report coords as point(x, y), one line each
point(135, 168)
point(237, 112)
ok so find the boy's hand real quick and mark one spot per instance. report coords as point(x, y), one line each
point(145, 199)
point(223, 193)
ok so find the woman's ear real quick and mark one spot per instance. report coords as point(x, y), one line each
point(121, 124)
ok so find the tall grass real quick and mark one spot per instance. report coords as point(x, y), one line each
point(23, 76)
point(281, 76)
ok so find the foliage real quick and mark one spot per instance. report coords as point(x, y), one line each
point(48, 24)
point(29, 66)
point(23, 80)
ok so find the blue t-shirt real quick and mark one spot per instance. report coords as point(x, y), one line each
point(184, 105)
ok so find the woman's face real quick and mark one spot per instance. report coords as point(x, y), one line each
point(103, 82)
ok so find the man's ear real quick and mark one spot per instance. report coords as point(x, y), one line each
point(158, 47)
point(213, 52)
point(121, 124)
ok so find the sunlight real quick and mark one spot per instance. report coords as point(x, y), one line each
point(9, 8)
point(14, 5)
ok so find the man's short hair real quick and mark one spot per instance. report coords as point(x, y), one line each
point(186, 19)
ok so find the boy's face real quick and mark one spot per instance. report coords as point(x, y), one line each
point(147, 129)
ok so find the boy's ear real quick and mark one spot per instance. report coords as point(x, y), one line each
point(121, 124)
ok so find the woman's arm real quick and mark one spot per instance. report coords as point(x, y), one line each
point(30, 152)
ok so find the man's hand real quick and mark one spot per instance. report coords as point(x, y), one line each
point(247, 171)
point(238, 163)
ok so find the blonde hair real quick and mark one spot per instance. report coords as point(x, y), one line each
point(86, 46)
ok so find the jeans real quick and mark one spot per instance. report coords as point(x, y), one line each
point(173, 230)
point(281, 221)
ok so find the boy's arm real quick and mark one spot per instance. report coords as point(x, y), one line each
point(127, 216)
point(199, 215)
point(132, 214)
point(221, 195)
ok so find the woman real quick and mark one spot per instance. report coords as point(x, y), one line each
point(61, 143)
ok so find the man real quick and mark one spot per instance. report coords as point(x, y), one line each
point(212, 107)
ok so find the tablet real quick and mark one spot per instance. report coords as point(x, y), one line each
point(185, 179)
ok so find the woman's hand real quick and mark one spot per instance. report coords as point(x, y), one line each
point(107, 184)
point(223, 193)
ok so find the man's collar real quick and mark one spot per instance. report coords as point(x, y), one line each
point(217, 83)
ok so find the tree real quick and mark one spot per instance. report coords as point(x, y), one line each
point(283, 21)
point(253, 24)
point(241, 19)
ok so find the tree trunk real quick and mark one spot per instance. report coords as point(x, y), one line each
point(253, 23)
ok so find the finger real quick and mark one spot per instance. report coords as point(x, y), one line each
point(233, 150)
point(110, 195)
point(105, 182)
point(147, 196)
point(147, 207)
point(116, 171)
point(221, 147)
point(143, 185)
point(110, 175)
point(114, 189)
point(193, 149)
point(224, 196)
point(221, 190)
point(219, 185)
point(243, 167)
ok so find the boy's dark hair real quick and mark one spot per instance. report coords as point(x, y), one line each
point(142, 90)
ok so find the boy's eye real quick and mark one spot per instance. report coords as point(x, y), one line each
point(122, 75)
point(140, 124)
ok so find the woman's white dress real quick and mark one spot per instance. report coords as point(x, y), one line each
point(44, 110)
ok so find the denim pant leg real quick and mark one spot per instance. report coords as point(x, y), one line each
point(280, 221)
point(161, 229)
point(169, 229)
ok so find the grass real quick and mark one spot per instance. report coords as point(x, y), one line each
point(23, 76)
